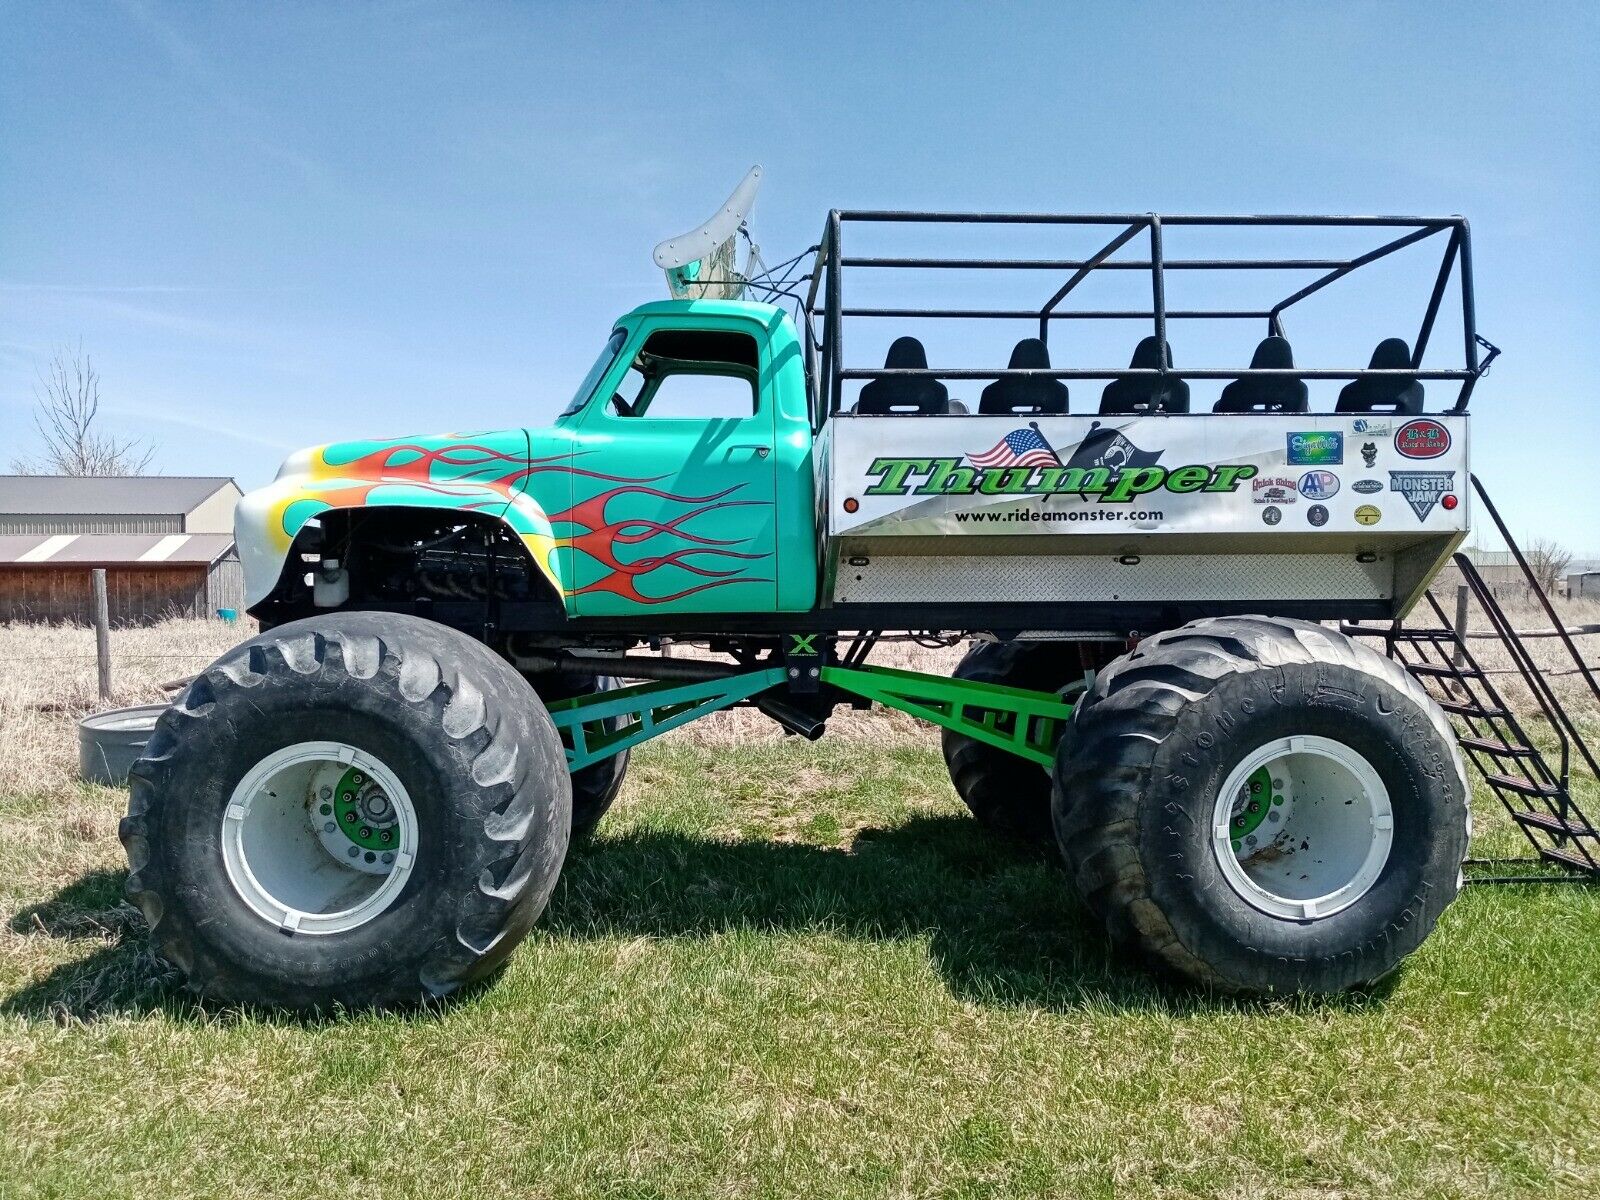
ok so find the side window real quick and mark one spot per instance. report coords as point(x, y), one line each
point(691, 375)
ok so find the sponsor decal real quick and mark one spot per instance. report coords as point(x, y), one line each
point(1367, 487)
point(1319, 485)
point(1316, 449)
point(1368, 427)
point(1317, 514)
point(1106, 466)
point(1271, 514)
point(1422, 439)
point(1274, 489)
point(1369, 454)
point(1422, 489)
point(1368, 514)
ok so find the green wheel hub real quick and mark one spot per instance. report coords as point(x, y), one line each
point(1259, 796)
point(356, 819)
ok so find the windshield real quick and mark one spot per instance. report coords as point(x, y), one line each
point(608, 355)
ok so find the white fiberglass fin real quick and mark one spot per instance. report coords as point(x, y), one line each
point(701, 264)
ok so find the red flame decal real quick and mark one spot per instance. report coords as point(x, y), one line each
point(470, 466)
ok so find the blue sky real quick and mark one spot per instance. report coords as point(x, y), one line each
point(275, 225)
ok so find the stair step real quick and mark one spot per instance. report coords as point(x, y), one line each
point(1554, 824)
point(1471, 709)
point(1569, 858)
point(1443, 672)
point(1522, 786)
point(1491, 746)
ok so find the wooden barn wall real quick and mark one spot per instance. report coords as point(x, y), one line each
point(136, 595)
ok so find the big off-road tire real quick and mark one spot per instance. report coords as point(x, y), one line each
point(1007, 793)
point(1262, 805)
point(357, 810)
point(594, 787)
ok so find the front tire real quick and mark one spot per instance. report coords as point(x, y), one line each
point(357, 810)
point(1262, 805)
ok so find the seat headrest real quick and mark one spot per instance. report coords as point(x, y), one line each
point(906, 352)
point(1273, 352)
point(1391, 354)
point(1146, 354)
point(1030, 354)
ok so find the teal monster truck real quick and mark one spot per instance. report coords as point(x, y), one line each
point(369, 803)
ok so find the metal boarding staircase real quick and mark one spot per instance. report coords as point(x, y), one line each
point(1534, 785)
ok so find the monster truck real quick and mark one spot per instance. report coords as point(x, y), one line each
point(369, 803)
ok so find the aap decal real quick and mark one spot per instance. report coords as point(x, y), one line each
point(1422, 439)
point(1423, 489)
point(1319, 485)
point(1316, 449)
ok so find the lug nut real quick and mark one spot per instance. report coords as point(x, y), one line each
point(329, 827)
point(354, 851)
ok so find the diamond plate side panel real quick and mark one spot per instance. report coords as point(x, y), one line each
point(1017, 579)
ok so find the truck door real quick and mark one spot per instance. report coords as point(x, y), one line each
point(674, 505)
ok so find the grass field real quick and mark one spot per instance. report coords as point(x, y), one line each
point(781, 969)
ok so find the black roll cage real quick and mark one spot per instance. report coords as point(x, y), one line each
point(828, 372)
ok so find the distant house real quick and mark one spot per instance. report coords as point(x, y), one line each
point(166, 543)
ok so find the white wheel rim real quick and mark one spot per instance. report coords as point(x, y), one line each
point(1324, 838)
point(294, 871)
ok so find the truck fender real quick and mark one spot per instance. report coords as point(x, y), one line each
point(268, 520)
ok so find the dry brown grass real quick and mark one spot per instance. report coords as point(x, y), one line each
point(51, 682)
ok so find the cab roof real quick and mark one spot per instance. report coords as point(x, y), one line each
point(707, 308)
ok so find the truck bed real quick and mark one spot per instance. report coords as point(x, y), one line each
point(1230, 508)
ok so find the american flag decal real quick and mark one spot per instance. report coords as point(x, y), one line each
point(1019, 448)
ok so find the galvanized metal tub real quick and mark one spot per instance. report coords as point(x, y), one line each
point(110, 742)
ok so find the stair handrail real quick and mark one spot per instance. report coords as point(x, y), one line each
point(1534, 586)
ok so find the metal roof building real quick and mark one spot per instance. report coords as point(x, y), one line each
point(166, 543)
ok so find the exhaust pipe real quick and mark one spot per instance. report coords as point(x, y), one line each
point(791, 718)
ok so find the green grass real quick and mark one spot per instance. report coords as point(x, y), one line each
point(793, 970)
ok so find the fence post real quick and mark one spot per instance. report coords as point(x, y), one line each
point(1460, 653)
point(102, 632)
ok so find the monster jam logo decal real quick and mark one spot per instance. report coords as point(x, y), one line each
point(1422, 489)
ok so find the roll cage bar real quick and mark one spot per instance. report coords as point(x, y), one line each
point(824, 299)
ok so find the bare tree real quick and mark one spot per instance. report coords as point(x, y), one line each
point(1548, 560)
point(68, 407)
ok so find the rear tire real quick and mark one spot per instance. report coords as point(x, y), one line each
point(234, 834)
point(1005, 792)
point(594, 787)
point(1354, 847)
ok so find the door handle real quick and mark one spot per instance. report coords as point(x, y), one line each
point(760, 451)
